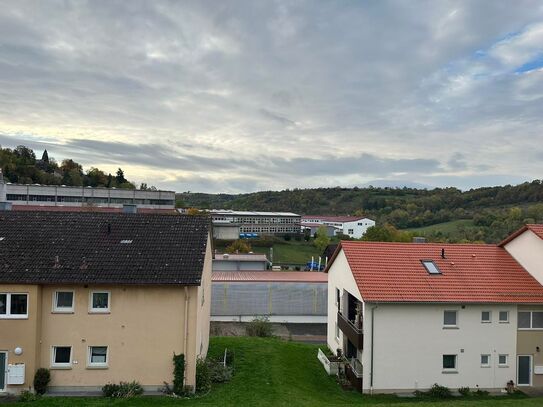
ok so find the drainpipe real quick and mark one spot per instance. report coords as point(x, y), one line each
point(371, 349)
point(186, 336)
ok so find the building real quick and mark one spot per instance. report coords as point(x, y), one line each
point(352, 226)
point(408, 315)
point(240, 262)
point(102, 297)
point(253, 224)
point(283, 297)
point(63, 196)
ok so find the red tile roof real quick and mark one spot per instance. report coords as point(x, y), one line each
point(536, 228)
point(334, 218)
point(270, 276)
point(470, 273)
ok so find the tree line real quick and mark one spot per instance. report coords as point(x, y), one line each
point(20, 165)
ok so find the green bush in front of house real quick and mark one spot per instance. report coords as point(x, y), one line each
point(122, 390)
point(260, 326)
point(42, 377)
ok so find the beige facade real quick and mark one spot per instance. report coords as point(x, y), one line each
point(530, 343)
point(144, 327)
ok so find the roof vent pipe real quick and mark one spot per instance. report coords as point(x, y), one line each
point(442, 253)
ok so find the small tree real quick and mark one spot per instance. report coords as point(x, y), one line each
point(42, 377)
point(239, 246)
point(321, 238)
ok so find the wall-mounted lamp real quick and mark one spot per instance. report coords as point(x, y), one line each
point(537, 349)
point(18, 351)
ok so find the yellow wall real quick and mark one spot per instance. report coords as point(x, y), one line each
point(143, 330)
point(528, 341)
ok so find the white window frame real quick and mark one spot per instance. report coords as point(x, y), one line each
point(8, 314)
point(506, 364)
point(488, 364)
point(100, 310)
point(450, 326)
point(337, 331)
point(338, 297)
point(483, 321)
point(63, 310)
point(499, 319)
point(450, 369)
point(531, 320)
point(61, 365)
point(97, 365)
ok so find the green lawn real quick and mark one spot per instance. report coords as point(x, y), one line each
point(271, 372)
point(291, 252)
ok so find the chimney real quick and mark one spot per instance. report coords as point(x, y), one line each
point(443, 253)
point(4, 204)
point(130, 208)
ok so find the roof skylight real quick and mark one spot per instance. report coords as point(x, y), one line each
point(430, 267)
point(126, 241)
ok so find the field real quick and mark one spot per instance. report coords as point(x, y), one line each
point(445, 228)
point(290, 252)
point(271, 372)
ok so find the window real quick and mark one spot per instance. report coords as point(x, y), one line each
point(530, 320)
point(449, 362)
point(485, 360)
point(350, 231)
point(450, 318)
point(338, 297)
point(502, 360)
point(62, 356)
point(337, 331)
point(63, 301)
point(99, 301)
point(504, 317)
point(97, 356)
point(430, 267)
point(486, 316)
point(13, 306)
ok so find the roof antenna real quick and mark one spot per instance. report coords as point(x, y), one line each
point(442, 253)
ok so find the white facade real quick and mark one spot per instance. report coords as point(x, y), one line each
point(527, 249)
point(354, 228)
point(410, 340)
point(257, 223)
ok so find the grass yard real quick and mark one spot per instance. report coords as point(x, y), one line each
point(291, 252)
point(271, 372)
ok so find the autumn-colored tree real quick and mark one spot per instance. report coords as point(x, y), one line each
point(239, 246)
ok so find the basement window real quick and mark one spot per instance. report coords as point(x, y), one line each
point(430, 267)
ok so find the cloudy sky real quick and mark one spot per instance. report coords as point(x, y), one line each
point(240, 96)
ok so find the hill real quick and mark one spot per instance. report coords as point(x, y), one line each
point(491, 212)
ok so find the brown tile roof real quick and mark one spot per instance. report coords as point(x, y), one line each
point(470, 273)
point(101, 248)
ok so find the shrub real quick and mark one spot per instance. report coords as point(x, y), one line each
point(439, 392)
point(260, 326)
point(203, 376)
point(218, 372)
point(480, 393)
point(464, 391)
point(178, 374)
point(122, 390)
point(27, 395)
point(42, 377)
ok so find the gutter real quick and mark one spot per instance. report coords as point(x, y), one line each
point(371, 349)
point(186, 336)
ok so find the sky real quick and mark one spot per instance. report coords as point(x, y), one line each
point(240, 96)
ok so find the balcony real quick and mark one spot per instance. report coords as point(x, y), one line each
point(352, 332)
point(353, 373)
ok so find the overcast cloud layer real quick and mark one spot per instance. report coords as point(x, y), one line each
point(248, 95)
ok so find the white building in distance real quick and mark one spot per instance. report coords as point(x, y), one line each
point(353, 226)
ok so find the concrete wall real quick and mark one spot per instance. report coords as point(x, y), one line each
point(410, 341)
point(527, 343)
point(339, 276)
point(527, 249)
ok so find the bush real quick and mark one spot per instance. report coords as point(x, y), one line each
point(203, 376)
point(122, 390)
point(464, 391)
point(480, 393)
point(439, 392)
point(178, 374)
point(27, 395)
point(218, 372)
point(259, 326)
point(42, 377)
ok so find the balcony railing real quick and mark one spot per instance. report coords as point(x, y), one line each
point(352, 332)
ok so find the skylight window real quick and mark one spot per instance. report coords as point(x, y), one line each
point(126, 241)
point(430, 267)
